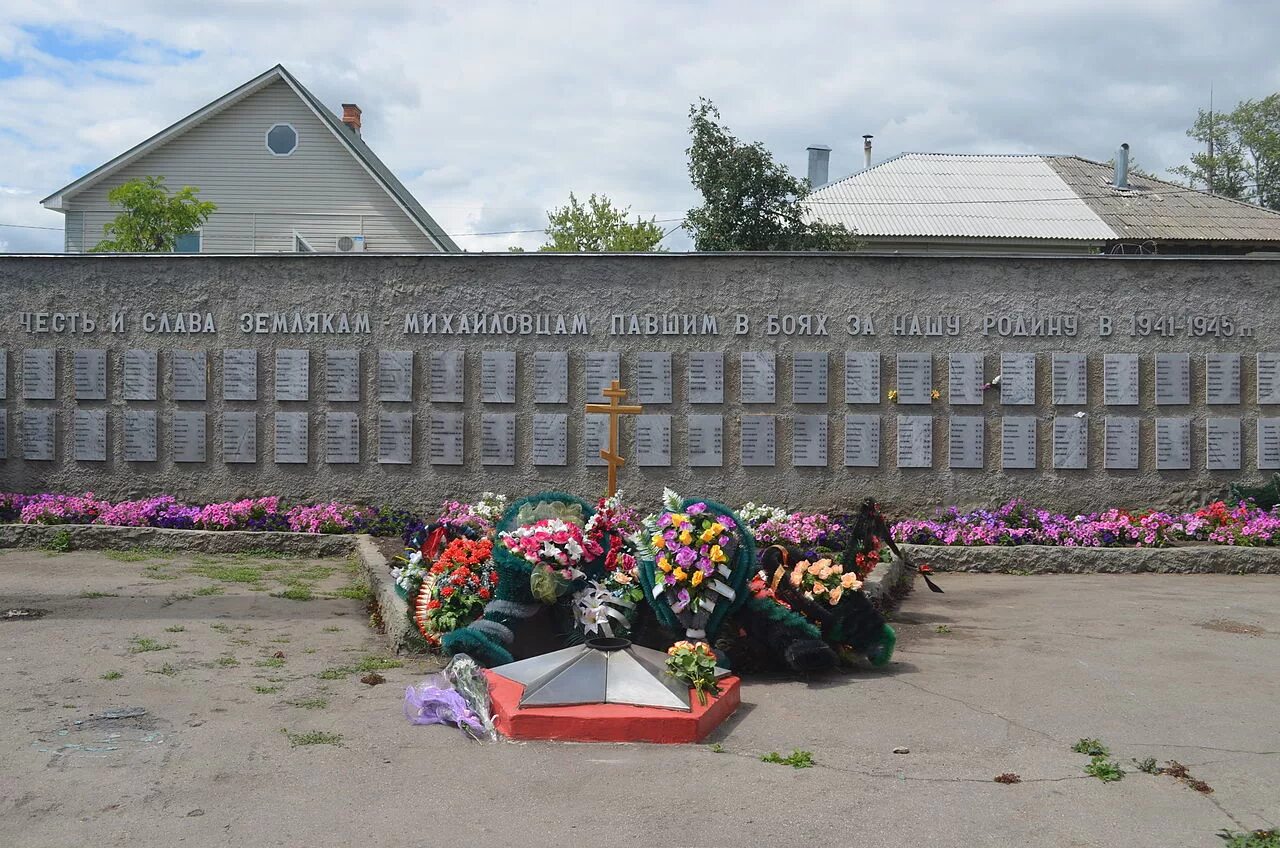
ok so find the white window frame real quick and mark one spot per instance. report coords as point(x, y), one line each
point(297, 138)
point(199, 233)
point(297, 237)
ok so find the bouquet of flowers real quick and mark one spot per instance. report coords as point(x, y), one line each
point(455, 588)
point(823, 580)
point(557, 549)
point(608, 605)
point(693, 550)
point(695, 664)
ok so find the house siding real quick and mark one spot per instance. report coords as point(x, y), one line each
point(320, 190)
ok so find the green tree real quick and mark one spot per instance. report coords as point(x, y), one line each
point(749, 202)
point(1245, 164)
point(598, 227)
point(152, 218)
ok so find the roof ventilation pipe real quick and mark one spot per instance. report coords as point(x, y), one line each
point(819, 164)
point(1122, 167)
point(866, 150)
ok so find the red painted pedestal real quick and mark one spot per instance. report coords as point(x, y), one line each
point(609, 722)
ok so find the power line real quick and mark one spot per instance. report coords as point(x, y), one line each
point(31, 227)
point(451, 235)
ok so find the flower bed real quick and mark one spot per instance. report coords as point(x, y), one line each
point(1015, 523)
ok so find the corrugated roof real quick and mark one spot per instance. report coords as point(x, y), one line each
point(1163, 211)
point(950, 195)
point(1062, 198)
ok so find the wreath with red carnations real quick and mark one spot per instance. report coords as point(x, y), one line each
point(455, 589)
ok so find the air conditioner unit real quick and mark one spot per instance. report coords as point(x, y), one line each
point(351, 244)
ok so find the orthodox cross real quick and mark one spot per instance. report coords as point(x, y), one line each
point(616, 394)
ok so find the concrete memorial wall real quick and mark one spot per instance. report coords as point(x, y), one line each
point(806, 380)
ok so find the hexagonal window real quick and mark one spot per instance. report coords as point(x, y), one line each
point(282, 139)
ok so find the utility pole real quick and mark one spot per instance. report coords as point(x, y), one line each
point(1211, 162)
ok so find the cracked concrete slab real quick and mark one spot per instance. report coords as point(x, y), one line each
point(1023, 668)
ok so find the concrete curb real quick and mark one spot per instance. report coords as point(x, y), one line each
point(393, 611)
point(94, 537)
point(888, 583)
point(1046, 559)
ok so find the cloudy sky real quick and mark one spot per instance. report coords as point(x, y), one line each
point(493, 112)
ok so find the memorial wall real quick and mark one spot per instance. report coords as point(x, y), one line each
point(805, 380)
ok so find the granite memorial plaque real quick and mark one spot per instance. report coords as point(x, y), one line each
point(498, 438)
point(1070, 442)
point(395, 438)
point(1173, 444)
point(1070, 379)
point(653, 440)
point(342, 436)
point(190, 375)
point(140, 435)
point(706, 377)
point(1173, 379)
point(4, 434)
point(595, 438)
point(342, 375)
point(240, 374)
point(1268, 443)
point(188, 435)
point(915, 441)
point(861, 377)
point(759, 377)
point(915, 379)
point(293, 375)
point(966, 438)
point(1120, 445)
point(809, 376)
point(1222, 444)
point(89, 428)
point(653, 377)
point(1017, 441)
point(4, 374)
point(862, 441)
point(1120, 381)
point(550, 438)
point(448, 379)
point(39, 431)
point(757, 440)
point(140, 371)
point(602, 368)
point(551, 376)
point(1222, 378)
point(809, 441)
point(89, 370)
point(292, 438)
point(1018, 379)
point(239, 436)
point(706, 441)
point(1269, 378)
point(39, 374)
point(498, 376)
point(964, 382)
point(395, 376)
point(447, 442)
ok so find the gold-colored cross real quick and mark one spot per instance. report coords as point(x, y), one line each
point(611, 455)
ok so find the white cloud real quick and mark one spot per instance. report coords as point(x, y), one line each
point(493, 111)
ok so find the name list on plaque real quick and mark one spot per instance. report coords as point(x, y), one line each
point(809, 438)
point(1173, 379)
point(915, 441)
point(1017, 441)
point(706, 441)
point(1018, 379)
point(551, 376)
point(595, 438)
point(140, 370)
point(1269, 378)
point(39, 374)
point(498, 376)
point(1222, 379)
point(964, 381)
point(342, 375)
point(140, 435)
point(190, 375)
point(342, 438)
point(89, 370)
point(39, 429)
point(1268, 443)
point(1070, 442)
point(1070, 379)
point(1120, 443)
point(395, 376)
point(862, 441)
point(861, 376)
point(293, 375)
point(89, 428)
point(395, 438)
point(498, 438)
point(240, 374)
point(446, 443)
point(1120, 379)
point(550, 438)
point(653, 440)
point(602, 368)
point(915, 378)
point(187, 430)
point(239, 436)
point(706, 377)
point(653, 377)
point(809, 377)
point(1222, 444)
point(757, 440)
point(965, 441)
point(448, 379)
point(1173, 444)
point(759, 378)
point(292, 438)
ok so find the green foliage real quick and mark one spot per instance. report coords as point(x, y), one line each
point(312, 737)
point(152, 219)
point(1251, 839)
point(59, 543)
point(1108, 771)
point(716, 748)
point(142, 645)
point(796, 759)
point(311, 703)
point(267, 690)
point(749, 202)
point(1245, 164)
point(1148, 765)
point(113, 675)
point(1092, 747)
point(942, 629)
point(177, 628)
point(296, 592)
point(598, 227)
point(93, 596)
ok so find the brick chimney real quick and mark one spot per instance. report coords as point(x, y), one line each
point(351, 116)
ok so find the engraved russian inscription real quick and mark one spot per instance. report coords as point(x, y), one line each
point(498, 376)
point(4, 375)
point(1120, 443)
point(861, 377)
point(915, 441)
point(89, 431)
point(1070, 379)
point(706, 441)
point(140, 370)
point(1269, 378)
point(1018, 379)
point(551, 376)
point(4, 434)
point(809, 372)
point(1173, 379)
point(1120, 381)
point(1268, 443)
point(862, 441)
point(293, 374)
point(89, 371)
point(187, 435)
point(602, 368)
point(550, 438)
point(498, 438)
point(915, 378)
point(964, 382)
point(190, 375)
point(342, 436)
point(966, 441)
point(1070, 443)
point(1222, 379)
point(395, 438)
point(1017, 441)
point(706, 377)
point(240, 374)
point(448, 379)
point(759, 378)
point(39, 431)
point(809, 441)
point(446, 443)
point(342, 375)
point(1173, 444)
point(140, 435)
point(39, 374)
point(653, 377)
point(757, 440)
point(653, 440)
point(1222, 444)
point(292, 438)
point(595, 438)
point(239, 437)
point(395, 376)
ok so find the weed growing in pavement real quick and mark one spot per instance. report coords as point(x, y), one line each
point(1008, 777)
point(296, 592)
point(1108, 771)
point(354, 592)
point(206, 591)
point(311, 703)
point(173, 599)
point(333, 630)
point(221, 628)
point(312, 737)
point(1148, 765)
point(157, 572)
point(168, 670)
point(716, 748)
point(228, 573)
point(142, 645)
point(1092, 747)
point(59, 543)
point(227, 661)
point(270, 662)
point(135, 554)
point(372, 663)
point(942, 629)
point(1251, 839)
point(177, 628)
point(796, 759)
point(268, 690)
point(113, 675)
point(93, 596)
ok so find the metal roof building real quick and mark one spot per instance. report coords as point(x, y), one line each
point(1031, 202)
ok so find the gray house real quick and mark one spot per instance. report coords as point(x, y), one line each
point(286, 174)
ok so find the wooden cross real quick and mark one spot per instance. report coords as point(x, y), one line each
point(616, 394)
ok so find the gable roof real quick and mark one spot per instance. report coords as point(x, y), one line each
point(1030, 196)
point(350, 140)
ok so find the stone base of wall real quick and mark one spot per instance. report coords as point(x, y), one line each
point(1042, 559)
point(93, 537)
